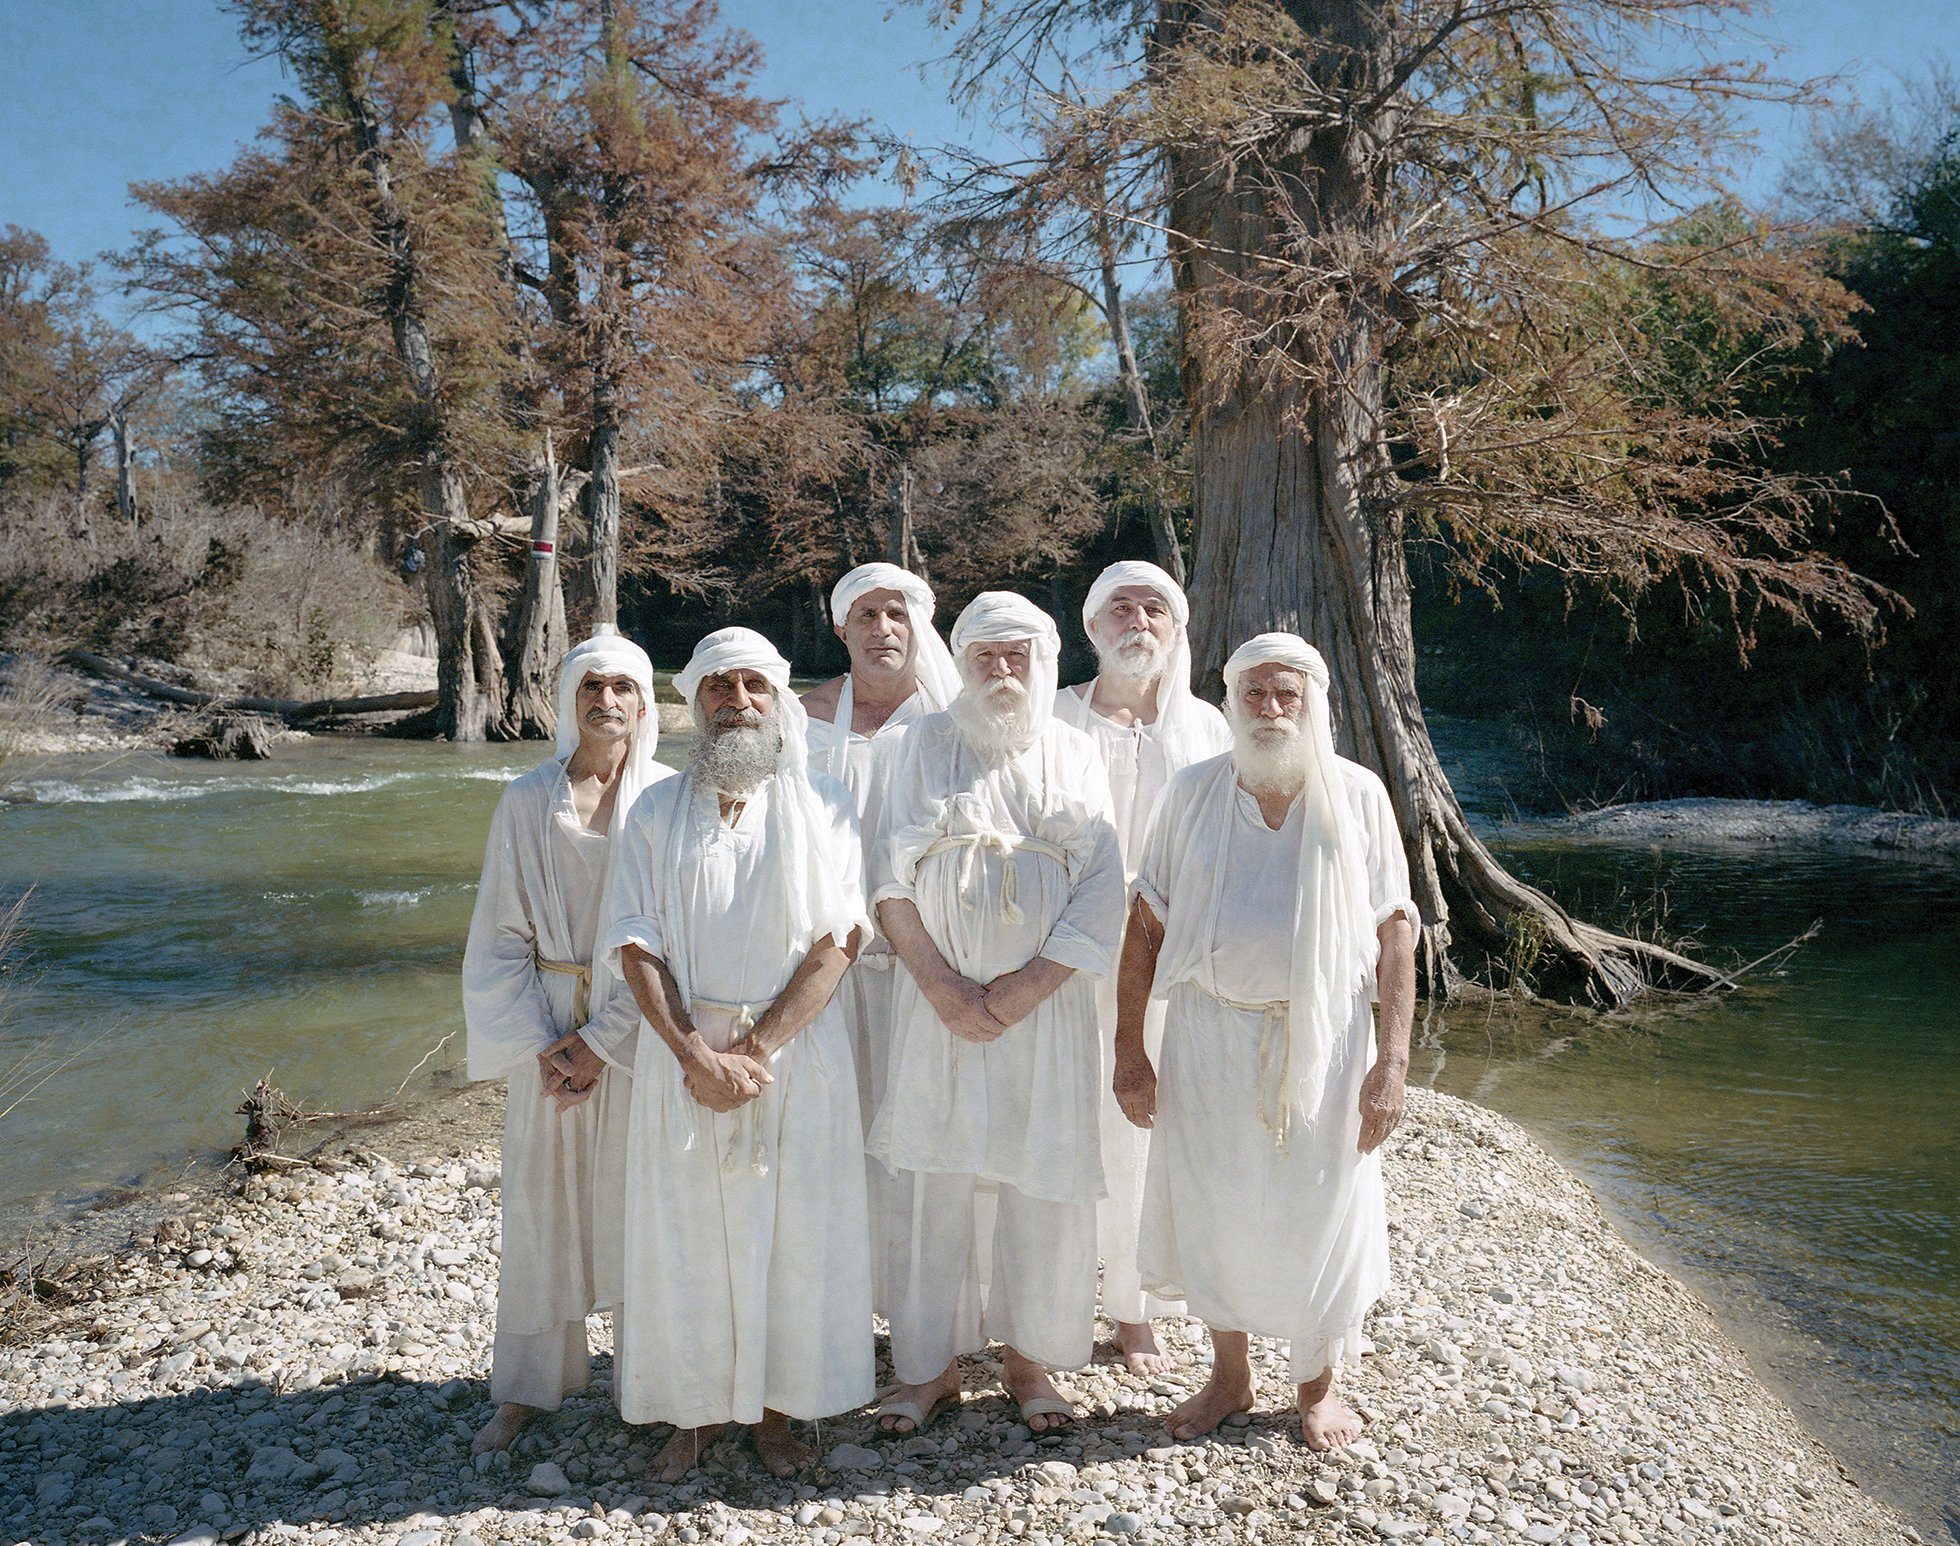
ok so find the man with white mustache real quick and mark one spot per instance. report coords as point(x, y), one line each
point(999, 884)
point(1147, 724)
point(536, 1006)
point(736, 905)
point(1271, 905)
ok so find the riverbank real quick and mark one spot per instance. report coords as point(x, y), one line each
point(1790, 823)
point(304, 1361)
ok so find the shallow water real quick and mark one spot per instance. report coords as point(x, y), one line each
point(1793, 1149)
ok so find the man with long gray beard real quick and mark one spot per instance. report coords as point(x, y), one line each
point(736, 905)
point(1271, 905)
point(999, 884)
point(1146, 724)
point(537, 1008)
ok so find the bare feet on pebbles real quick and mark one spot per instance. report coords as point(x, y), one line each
point(1224, 1393)
point(1137, 1342)
point(779, 1450)
point(683, 1451)
point(498, 1433)
point(1325, 1423)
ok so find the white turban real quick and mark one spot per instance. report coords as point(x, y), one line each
point(999, 616)
point(797, 818)
point(1334, 943)
point(932, 663)
point(610, 653)
point(1179, 713)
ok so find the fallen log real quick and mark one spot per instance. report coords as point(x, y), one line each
point(294, 711)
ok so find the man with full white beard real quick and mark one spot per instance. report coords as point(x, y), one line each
point(900, 671)
point(736, 904)
point(1271, 904)
point(536, 1006)
point(999, 884)
point(1146, 724)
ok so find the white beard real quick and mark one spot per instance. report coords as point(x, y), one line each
point(1139, 656)
point(1270, 755)
point(996, 720)
point(734, 756)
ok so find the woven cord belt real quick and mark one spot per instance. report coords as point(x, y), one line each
point(582, 995)
point(739, 1020)
point(1275, 1063)
point(998, 843)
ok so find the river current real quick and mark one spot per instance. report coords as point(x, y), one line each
point(1792, 1150)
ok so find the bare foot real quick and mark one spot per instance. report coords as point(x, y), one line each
point(1028, 1384)
point(929, 1398)
point(1324, 1422)
point(683, 1451)
point(1226, 1392)
point(1137, 1342)
point(779, 1450)
point(498, 1433)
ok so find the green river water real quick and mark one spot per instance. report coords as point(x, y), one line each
point(1793, 1150)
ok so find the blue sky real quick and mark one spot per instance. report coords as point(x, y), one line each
point(95, 94)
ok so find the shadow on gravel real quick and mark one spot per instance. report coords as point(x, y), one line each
point(214, 1463)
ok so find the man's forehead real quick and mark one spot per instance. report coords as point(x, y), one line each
point(616, 679)
point(879, 599)
point(999, 644)
point(1272, 674)
point(1139, 595)
point(748, 676)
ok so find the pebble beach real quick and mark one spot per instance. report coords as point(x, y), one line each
point(301, 1357)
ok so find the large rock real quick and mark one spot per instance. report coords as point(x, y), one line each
point(227, 737)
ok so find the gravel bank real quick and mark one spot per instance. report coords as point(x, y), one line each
point(1782, 822)
point(305, 1364)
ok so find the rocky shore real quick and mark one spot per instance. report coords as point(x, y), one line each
point(305, 1362)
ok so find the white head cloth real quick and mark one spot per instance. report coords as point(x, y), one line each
point(610, 653)
point(1334, 946)
point(819, 903)
point(1180, 714)
point(932, 663)
point(998, 616)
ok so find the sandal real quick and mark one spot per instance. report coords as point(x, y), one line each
point(921, 1418)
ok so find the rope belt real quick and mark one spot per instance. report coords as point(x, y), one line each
point(1275, 1063)
point(731, 1023)
point(1006, 847)
point(582, 995)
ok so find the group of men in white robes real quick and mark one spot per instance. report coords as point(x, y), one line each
point(833, 1021)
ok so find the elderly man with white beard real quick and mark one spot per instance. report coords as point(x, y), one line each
point(736, 905)
point(535, 1005)
point(1271, 905)
point(999, 884)
point(900, 672)
point(1147, 724)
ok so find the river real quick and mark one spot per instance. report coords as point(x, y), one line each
point(1791, 1150)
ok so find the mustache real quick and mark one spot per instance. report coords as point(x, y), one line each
point(739, 719)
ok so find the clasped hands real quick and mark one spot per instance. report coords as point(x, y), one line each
point(978, 1013)
point(568, 1071)
point(724, 1081)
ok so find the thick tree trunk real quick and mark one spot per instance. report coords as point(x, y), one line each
point(1295, 529)
point(539, 630)
point(125, 468)
point(469, 668)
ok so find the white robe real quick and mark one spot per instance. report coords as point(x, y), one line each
point(542, 895)
point(1020, 1110)
point(746, 1240)
point(1140, 760)
point(1285, 1242)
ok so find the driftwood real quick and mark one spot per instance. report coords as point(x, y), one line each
point(225, 736)
point(294, 711)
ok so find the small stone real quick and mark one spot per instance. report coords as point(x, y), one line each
point(853, 1457)
point(1322, 1490)
point(1123, 1523)
point(591, 1530)
point(548, 1481)
point(923, 1524)
point(419, 1538)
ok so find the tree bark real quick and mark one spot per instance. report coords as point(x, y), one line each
point(125, 468)
point(1136, 401)
point(602, 504)
point(469, 669)
point(1295, 528)
point(539, 629)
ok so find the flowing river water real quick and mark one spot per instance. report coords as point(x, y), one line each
point(1792, 1150)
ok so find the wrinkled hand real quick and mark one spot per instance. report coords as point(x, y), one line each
point(722, 1081)
point(1381, 1104)
point(568, 1071)
point(962, 1004)
point(1135, 1086)
point(1012, 997)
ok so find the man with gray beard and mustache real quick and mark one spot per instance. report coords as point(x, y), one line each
point(999, 884)
point(1271, 906)
point(736, 905)
point(1146, 723)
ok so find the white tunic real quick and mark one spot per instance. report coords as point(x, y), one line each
point(1140, 760)
point(540, 896)
point(1288, 1242)
point(1004, 864)
point(746, 1244)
